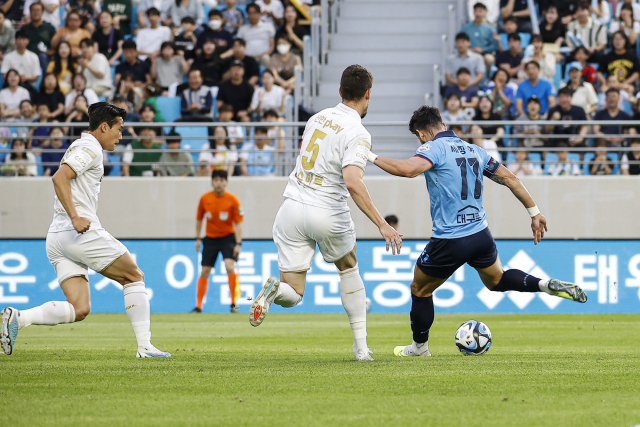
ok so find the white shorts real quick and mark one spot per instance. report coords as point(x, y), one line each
point(297, 229)
point(72, 253)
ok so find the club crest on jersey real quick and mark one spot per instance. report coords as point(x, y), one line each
point(224, 216)
point(425, 147)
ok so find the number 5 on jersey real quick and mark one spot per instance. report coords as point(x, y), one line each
point(309, 162)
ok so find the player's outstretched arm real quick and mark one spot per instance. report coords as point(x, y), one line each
point(353, 180)
point(62, 184)
point(505, 177)
point(408, 168)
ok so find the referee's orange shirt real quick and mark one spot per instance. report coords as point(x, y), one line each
point(221, 213)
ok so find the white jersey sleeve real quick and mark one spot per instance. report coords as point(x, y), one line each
point(357, 151)
point(81, 158)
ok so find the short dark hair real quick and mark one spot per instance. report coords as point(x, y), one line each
point(102, 112)
point(151, 128)
point(219, 173)
point(393, 218)
point(129, 44)
point(514, 37)
point(462, 36)
point(215, 12)
point(174, 137)
point(580, 48)
point(225, 108)
point(188, 20)
point(534, 99)
point(270, 112)
point(21, 34)
point(536, 38)
point(463, 70)
point(510, 19)
point(355, 82)
point(261, 129)
point(25, 100)
point(54, 128)
point(86, 42)
point(621, 34)
point(153, 11)
point(240, 41)
point(612, 90)
point(566, 91)
point(167, 44)
point(562, 144)
point(479, 5)
point(535, 63)
point(37, 3)
point(583, 5)
point(254, 6)
point(425, 118)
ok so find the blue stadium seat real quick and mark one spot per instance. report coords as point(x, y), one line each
point(169, 106)
point(40, 167)
point(551, 158)
point(525, 40)
point(588, 157)
point(557, 79)
point(116, 170)
point(206, 10)
point(193, 143)
point(134, 17)
point(511, 157)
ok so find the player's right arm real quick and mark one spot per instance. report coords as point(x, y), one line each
point(62, 184)
point(505, 177)
point(352, 176)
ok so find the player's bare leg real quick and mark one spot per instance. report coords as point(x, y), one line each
point(74, 309)
point(125, 271)
point(422, 313)
point(498, 280)
point(286, 292)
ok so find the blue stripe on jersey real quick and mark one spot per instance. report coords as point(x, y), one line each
point(455, 184)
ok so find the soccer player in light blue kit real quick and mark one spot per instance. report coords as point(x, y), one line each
point(454, 171)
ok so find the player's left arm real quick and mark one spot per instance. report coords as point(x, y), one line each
point(408, 168)
point(505, 177)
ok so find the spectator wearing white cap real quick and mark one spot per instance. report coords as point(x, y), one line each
point(584, 94)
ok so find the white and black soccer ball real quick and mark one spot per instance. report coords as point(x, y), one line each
point(473, 338)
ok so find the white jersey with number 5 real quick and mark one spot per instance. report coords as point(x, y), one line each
point(333, 139)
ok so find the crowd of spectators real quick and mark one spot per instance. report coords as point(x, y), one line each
point(232, 61)
point(581, 65)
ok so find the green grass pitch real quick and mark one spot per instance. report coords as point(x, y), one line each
point(298, 370)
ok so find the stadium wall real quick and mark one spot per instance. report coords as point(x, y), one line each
point(152, 208)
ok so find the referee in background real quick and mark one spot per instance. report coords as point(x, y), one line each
point(224, 235)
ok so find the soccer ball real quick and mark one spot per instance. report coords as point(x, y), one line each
point(473, 338)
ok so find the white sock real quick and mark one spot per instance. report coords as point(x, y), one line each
point(544, 285)
point(421, 348)
point(286, 296)
point(49, 313)
point(354, 301)
point(136, 304)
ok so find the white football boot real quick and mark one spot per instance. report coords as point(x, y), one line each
point(151, 351)
point(362, 355)
point(413, 349)
point(260, 306)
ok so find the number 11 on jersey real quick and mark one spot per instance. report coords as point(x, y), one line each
point(314, 148)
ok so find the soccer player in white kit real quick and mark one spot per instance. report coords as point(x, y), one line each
point(330, 167)
point(76, 241)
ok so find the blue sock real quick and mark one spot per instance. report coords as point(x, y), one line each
point(422, 314)
point(517, 280)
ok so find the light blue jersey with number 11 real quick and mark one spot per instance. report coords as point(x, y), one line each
point(455, 184)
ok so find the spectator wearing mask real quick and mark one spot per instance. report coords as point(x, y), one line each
point(138, 162)
point(237, 92)
point(22, 60)
point(526, 134)
point(258, 35)
point(233, 17)
point(53, 154)
point(196, 102)
point(564, 166)
point(291, 30)
point(79, 88)
point(567, 112)
point(601, 163)
point(174, 162)
point(621, 63)
point(214, 31)
point(50, 94)
point(251, 66)
point(71, 33)
point(132, 64)
point(258, 158)
point(96, 69)
point(492, 7)
point(108, 38)
point(21, 160)
point(547, 61)
point(484, 112)
point(122, 12)
point(627, 24)
point(39, 34)
point(464, 57)
point(612, 112)
point(63, 66)
point(169, 68)
point(219, 153)
point(209, 64)
point(511, 60)
point(584, 94)
point(587, 32)
point(11, 96)
point(535, 86)
point(518, 9)
point(630, 164)
point(482, 35)
point(468, 94)
point(503, 92)
point(272, 11)
point(269, 96)
point(175, 10)
point(283, 63)
point(186, 41)
point(150, 39)
point(79, 114)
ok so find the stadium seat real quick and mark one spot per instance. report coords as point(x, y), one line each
point(585, 167)
point(193, 143)
point(557, 79)
point(525, 40)
point(170, 107)
point(551, 158)
point(134, 16)
point(39, 167)
point(116, 170)
point(206, 10)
